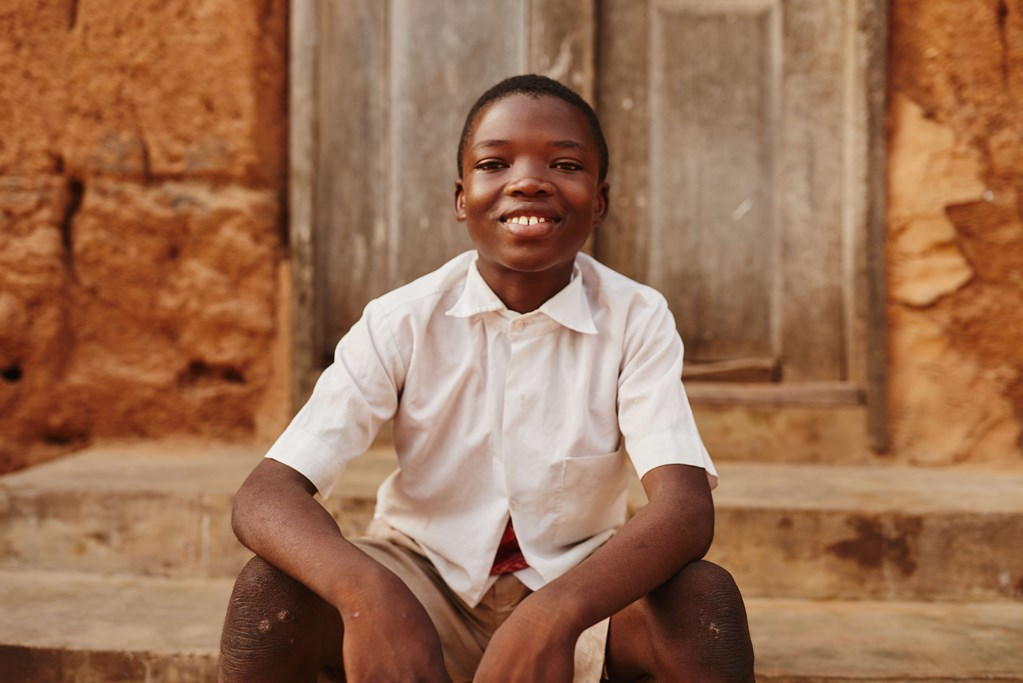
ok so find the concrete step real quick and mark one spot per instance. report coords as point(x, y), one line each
point(870, 532)
point(81, 628)
point(157, 509)
point(87, 628)
point(784, 530)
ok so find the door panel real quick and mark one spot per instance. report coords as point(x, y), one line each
point(739, 134)
point(729, 123)
point(711, 176)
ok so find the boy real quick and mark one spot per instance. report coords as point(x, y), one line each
point(499, 550)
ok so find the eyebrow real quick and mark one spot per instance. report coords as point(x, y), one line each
point(558, 144)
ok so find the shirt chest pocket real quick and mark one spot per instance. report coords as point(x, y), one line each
point(591, 496)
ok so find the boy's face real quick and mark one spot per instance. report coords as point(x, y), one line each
point(530, 193)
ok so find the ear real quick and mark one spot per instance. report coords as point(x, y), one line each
point(459, 201)
point(603, 201)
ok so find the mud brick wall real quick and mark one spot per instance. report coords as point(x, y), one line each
point(142, 174)
point(955, 245)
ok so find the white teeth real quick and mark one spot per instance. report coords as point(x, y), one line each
point(526, 220)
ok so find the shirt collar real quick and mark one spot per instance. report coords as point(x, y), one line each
point(569, 307)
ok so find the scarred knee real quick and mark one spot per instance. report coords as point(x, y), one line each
point(260, 631)
point(702, 608)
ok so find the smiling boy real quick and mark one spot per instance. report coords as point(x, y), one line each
point(516, 376)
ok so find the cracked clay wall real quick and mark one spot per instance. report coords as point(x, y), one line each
point(955, 230)
point(142, 157)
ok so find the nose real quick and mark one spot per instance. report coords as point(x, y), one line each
point(529, 182)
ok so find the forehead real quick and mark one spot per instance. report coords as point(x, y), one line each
point(520, 118)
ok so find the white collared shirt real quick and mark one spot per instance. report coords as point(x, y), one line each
point(499, 414)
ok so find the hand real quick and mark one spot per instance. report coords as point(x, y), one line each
point(530, 647)
point(392, 641)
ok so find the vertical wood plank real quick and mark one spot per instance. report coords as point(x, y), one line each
point(809, 191)
point(623, 96)
point(872, 45)
point(562, 42)
point(353, 176)
point(711, 113)
point(306, 318)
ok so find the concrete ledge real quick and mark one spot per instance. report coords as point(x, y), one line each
point(64, 628)
point(802, 531)
point(801, 641)
point(892, 533)
point(71, 628)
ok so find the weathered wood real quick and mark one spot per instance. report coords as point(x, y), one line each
point(811, 167)
point(352, 220)
point(737, 370)
point(873, 46)
point(739, 174)
point(801, 393)
point(623, 96)
point(302, 209)
point(711, 174)
point(562, 42)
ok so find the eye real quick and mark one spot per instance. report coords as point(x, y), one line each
point(566, 165)
point(490, 165)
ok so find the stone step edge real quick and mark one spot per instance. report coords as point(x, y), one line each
point(201, 469)
point(784, 530)
point(162, 625)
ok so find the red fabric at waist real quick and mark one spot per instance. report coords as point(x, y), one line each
point(509, 558)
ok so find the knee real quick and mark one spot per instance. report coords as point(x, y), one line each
point(703, 582)
point(702, 605)
point(259, 629)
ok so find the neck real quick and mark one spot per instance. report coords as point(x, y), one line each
point(526, 292)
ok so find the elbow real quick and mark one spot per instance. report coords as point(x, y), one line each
point(700, 528)
point(242, 511)
point(703, 535)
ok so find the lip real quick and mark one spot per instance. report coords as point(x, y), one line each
point(530, 210)
point(548, 221)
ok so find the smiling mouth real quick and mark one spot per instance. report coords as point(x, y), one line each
point(527, 220)
point(529, 226)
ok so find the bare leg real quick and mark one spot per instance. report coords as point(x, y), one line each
point(276, 629)
point(692, 628)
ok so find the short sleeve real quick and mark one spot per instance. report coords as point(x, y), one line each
point(352, 399)
point(654, 414)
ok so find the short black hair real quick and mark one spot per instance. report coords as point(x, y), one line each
point(535, 86)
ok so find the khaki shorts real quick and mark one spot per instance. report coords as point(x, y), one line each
point(465, 631)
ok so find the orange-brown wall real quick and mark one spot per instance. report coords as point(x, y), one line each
point(142, 273)
point(142, 172)
point(955, 230)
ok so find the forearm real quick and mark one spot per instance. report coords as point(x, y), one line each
point(674, 529)
point(276, 516)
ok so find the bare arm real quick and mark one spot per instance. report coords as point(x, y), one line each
point(276, 516)
point(675, 528)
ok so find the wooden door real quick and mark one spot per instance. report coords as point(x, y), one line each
point(742, 132)
point(745, 165)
